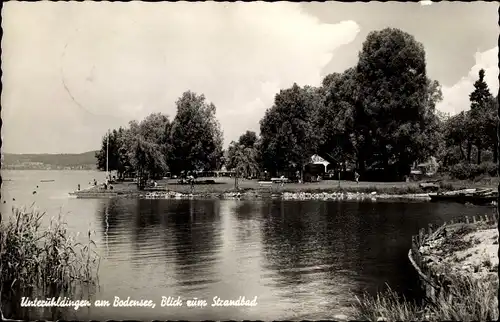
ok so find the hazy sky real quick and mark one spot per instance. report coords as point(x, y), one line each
point(71, 70)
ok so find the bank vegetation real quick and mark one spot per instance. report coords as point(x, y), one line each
point(44, 259)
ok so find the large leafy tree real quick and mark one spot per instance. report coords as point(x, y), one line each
point(333, 118)
point(145, 150)
point(287, 133)
point(394, 100)
point(195, 135)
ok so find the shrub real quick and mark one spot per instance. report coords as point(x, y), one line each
point(468, 299)
point(466, 171)
point(489, 168)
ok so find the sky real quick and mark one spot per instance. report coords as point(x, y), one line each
point(73, 70)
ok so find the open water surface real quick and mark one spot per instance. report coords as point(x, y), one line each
point(302, 259)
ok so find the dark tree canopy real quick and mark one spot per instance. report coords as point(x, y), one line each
point(395, 100)
point(248, 139)
point(287, 133)
point(196, 135)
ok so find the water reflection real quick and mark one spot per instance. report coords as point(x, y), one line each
point(196, 238)
point(301, 258)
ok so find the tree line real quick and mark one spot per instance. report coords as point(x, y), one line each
point(377, 117)
point(156, 145)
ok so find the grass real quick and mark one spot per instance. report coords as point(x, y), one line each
point(467, 299)
point(43, 258)
point(227, 185)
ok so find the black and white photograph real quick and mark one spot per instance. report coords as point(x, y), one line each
point(249, 161)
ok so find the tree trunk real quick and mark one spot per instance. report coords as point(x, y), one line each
point(462, 153)
point(469, 151)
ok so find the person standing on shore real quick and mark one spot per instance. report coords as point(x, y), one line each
point(356, 176)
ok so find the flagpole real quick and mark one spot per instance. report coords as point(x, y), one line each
point(107, 156)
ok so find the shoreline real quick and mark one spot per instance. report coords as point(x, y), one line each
point(256, 195)
point(224, 188)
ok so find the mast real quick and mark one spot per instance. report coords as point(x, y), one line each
point(107, 156)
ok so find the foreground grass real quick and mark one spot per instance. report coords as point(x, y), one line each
point(468, 299)
point(33, 257)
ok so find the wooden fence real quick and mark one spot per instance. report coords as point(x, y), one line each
point(433, 284)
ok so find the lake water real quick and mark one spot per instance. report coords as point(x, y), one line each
point(302, 259)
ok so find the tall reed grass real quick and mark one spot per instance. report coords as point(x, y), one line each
point(467, 299)
point(44, 258)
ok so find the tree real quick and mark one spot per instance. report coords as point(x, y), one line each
point(333, 118)
point(244, 160)
point(455, 132)
point(195, 135)
point(156, 128)
point(394, 100)
point(248, 139)
point(287, 133)
point(144, 149)
point(243, 156)
point(480, 100)
point(115, 153)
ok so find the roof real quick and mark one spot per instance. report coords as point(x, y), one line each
point(316, 159)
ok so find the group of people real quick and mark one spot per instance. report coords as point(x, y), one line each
point(106, 184)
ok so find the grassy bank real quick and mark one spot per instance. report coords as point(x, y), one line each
point(471, 300)
point(227, 185)
point(467, 255)
point(46, 260)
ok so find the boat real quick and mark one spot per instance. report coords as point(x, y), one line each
point(47, 180)
point(473, 196)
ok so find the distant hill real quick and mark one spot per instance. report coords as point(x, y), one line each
point(83, 161)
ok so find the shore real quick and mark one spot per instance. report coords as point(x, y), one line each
point(457, 265)
point(224, 188)
point(463, 249)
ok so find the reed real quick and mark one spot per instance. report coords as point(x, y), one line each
point(43, 258)
point(467, 299)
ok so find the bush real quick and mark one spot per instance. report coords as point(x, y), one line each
point(466, 171)
point(489, 168)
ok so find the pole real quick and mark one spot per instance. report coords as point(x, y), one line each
point(107, 156)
